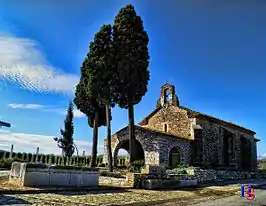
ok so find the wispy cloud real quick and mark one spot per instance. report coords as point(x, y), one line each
point(25, 106)
point(76, 112)
point(29, 142)
point(22, 63)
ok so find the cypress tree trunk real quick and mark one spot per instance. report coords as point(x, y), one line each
point(131, 133)
point(109, 149)
point(95, 139)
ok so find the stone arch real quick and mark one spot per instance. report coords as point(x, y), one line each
point(124, 144)
point(166, 95)
point(175, 156)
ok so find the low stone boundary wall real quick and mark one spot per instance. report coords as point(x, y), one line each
point(113, 181)
point(26, 174)
point(149, 181)
point(194, 177)
point(203, 175)
point(261, 174)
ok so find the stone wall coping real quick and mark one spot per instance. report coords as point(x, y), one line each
point(42, 167)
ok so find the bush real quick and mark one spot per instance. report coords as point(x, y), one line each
point(101, 164)
point(111, 174)
point(177, 171)
point(136, 166)
point(6, 163)
point(181, 165)
point(180, 169)
point(167, 167)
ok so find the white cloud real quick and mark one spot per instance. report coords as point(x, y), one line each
point(25, 106)
point(22, 63)
point(29, 142)
point(262, 156)
point(76, 112)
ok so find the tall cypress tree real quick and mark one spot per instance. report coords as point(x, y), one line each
point(66, 142)
point(104, 77)
point(130, 42)
point(86, 101)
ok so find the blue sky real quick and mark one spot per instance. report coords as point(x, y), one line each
point(213, 52)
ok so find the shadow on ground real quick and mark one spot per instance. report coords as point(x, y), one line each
point(6, 200)
point(68, 191)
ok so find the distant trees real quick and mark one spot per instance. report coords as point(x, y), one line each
point(66, 142)
point(114, 72)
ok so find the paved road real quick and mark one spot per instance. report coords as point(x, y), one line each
point(260, 200)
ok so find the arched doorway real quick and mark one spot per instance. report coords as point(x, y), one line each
point(175, 157)
point(124, 146)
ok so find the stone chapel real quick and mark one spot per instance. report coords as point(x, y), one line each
point(172, 134)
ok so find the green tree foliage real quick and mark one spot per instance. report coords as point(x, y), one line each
point(66, 142)
point(103, 76)
point(130, 42)
point(23, 156)
point(86, 102)
point(29, 157)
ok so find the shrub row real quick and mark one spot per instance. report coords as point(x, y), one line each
point(5, 161)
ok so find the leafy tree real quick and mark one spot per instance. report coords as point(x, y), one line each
point(86, 102)
point(130, 41)
point(104, 77)
point(66, 142)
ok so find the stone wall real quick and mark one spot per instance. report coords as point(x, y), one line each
point(213, 137)
point(30, 175)
point(175, 118)
point(212, 175)
point(103, 180)
point(195, 176)
point(156, 145)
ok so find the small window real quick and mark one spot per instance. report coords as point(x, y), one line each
point(165, 128)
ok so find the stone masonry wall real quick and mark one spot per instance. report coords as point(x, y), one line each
point(136, 180)
point(113, 181)
point(211, 142)
point(156, 145)
point(213, 145)
point(176, 119)
point(223, 175)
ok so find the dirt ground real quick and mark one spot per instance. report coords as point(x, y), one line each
point(116, 196)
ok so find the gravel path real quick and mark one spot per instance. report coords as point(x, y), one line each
point(209, 195)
